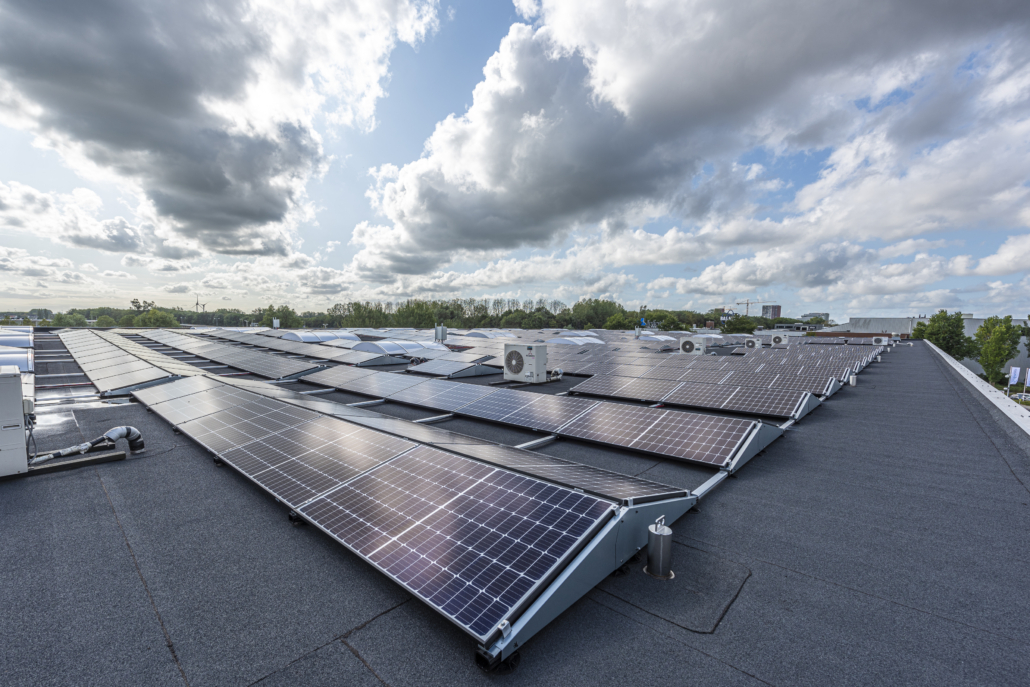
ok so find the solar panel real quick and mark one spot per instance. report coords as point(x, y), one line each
point(473, 541)
point(646, 389)
point(668, 373)
point(457, 396)
point(585, 477)
point(441, 368)
point(701, 395)
point(773, 402)
point(302, 462)
point(421, 393)
point(334, 376)
point(498, 404)
point(612, 423)
point(547, 413)
point(380, 384)
point(130, 379)
point(602, 385)
point(686, 436)
point(701, 438)
point(222, 430)
point(426, 434)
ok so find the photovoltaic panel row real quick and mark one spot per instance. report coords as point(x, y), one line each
point(473, 541)
point(585, 477)
point(724, 397)
point(264, 364)
point(307, 460)
point(232, 427)
point(688, 436)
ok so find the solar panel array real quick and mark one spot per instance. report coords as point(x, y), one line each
point(319, 351)
point(452, 523)
point(552, 414)
point(112, 362)
point(264, 364)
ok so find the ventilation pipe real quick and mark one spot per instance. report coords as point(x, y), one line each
point(131, 434)
point(659, 550)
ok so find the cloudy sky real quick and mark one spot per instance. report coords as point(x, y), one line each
point(852, 157)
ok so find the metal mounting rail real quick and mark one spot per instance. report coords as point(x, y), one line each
point(537, 443)
point(364, 404)
point(435, 418)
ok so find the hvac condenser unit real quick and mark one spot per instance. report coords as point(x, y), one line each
point(752, 343)
point(13, 458)
point(693, 345)
point(880, 340)
point(778, 339)
point(524, 363)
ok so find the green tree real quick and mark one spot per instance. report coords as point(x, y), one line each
point(948, 333)
point(619, 321)
point(288, 319)
point(156, 319)
point(998, 342)
point(69, 320)
point(739, 325)
point(106, 321)
point(127, 321)
point(416, 313)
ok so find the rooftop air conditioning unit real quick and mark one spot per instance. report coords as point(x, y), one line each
point(752, 343)
point(525, 363)
point(880, 340)
point(13, 457)
point(778, 339)
point(694, 345)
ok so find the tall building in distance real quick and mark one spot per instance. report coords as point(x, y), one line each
point(771, 312)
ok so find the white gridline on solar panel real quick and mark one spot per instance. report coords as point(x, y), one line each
point(781, 402)
point(706, 395)
point(554, 411)
point(643, 389)
point(413, 484)
point(601, 385)
point(707, 440)
point(619, 424)
point(498, 404)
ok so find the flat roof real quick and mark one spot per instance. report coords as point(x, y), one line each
point(882, 538)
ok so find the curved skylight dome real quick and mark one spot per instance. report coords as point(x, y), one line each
point(14, 339)
point(490, 334)
point(574, 340)
point(22, 357)
point(318, 336)
point(401, 348)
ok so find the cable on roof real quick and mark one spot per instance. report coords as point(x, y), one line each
point(133, 435)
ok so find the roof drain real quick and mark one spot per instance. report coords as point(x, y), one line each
point(104, 441)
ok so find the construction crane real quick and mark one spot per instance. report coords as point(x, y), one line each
point(748, 303)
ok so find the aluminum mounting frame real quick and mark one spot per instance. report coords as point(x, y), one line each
point(618, 541)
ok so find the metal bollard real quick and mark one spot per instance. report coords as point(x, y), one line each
point(853, 379)
point(877, 358)
point(659, 550)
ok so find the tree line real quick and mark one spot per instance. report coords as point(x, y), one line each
point(458, 313)
point(994, 343)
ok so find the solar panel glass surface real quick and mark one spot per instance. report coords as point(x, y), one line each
point(499, 404)
point(473, 541)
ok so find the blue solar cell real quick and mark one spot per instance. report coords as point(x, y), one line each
point(471, 540)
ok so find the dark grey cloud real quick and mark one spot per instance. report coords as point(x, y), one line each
point(129, 82)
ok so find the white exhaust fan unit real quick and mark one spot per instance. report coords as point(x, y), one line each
point(693, 345)
point(525, 363)
point(880, 340)
point(778, 339)
point(752, 343)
